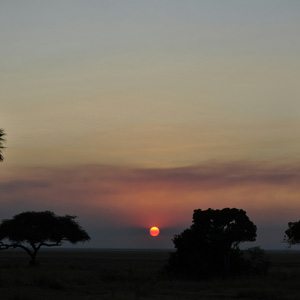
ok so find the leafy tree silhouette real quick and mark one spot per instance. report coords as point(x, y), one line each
point(2, 140)
point(210, 246)
point(292, 234)
point(32, 230)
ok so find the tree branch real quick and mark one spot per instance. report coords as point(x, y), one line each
point(4, 246)
point(15, 245)
point(48, 245)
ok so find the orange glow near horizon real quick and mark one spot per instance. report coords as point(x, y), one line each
point(154, 231)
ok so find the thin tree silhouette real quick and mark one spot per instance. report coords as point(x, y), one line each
point(2, 140)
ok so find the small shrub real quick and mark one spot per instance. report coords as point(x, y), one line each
point(258, 263)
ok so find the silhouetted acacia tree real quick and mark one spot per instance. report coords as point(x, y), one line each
point(210, 246)
point(32, 230)
point(292, 234)
point(2, 140)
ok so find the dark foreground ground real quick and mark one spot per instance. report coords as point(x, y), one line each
point(99, 274)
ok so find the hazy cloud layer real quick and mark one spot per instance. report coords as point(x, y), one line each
point(113, 200)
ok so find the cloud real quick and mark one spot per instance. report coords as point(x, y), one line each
point(110, 197)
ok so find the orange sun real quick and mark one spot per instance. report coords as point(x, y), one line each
point(154, 231)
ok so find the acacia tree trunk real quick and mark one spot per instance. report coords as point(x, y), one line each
point(33, 261)
point(35, 249)
point(32, 253)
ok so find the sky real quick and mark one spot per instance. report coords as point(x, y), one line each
point(131, 114)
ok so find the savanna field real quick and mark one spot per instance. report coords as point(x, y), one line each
point(149, 125)
point(134, 274)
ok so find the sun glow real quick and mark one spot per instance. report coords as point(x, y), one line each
point(154, 231)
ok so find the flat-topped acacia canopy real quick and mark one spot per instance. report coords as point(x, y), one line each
point(32, 230)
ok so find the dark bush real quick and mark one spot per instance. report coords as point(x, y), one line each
point(257, 262)
point(209, 248)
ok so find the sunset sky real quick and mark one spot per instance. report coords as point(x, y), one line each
point(133, 113)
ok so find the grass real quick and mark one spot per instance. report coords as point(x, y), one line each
point(100, 274)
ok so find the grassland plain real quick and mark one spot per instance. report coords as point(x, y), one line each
point(134, 274)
